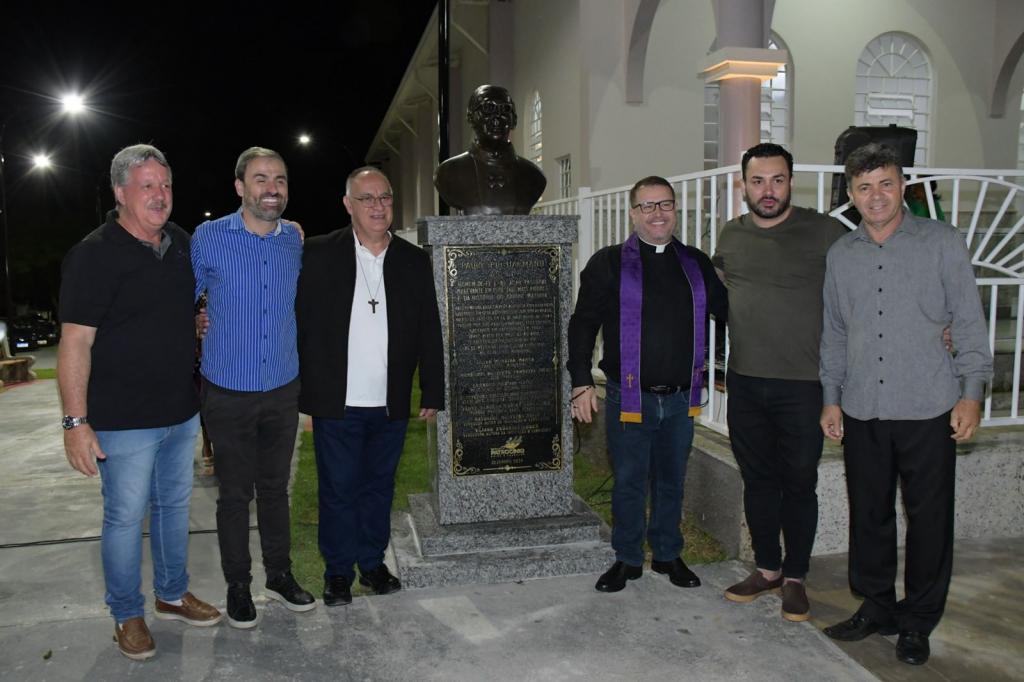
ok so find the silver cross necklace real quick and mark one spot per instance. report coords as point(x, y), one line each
point(373, 302)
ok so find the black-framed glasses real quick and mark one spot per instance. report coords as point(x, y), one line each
point(649, 206)
point(369, 200)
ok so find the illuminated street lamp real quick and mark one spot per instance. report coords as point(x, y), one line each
point(41, 161)
point(71, 104)
point(305, 140)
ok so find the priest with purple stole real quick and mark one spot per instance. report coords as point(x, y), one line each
point(651, 297)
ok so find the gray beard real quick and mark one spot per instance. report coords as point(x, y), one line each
point(262, 214)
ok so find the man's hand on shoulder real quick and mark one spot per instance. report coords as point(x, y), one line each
point(202, 323)
point(964, 419)
point(298, 228)
point(83, 449)
point(832, 422)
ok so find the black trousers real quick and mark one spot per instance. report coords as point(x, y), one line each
point(776, 439)
point(253, 435)
point(921, 455)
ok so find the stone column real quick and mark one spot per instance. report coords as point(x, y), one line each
point(741, 61)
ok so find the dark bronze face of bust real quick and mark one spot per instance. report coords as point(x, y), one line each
point(490, 178)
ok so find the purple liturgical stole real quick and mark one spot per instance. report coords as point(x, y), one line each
point(631, 296)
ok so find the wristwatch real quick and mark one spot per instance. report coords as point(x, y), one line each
point(69, 422)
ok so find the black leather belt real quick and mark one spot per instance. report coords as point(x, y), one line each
point(663, 390)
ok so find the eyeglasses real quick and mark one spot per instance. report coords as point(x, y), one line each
point(369, 201)
point(649, 206)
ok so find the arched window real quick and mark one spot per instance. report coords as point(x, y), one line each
point(534, 141)
point(894, 85)
point(776, 96)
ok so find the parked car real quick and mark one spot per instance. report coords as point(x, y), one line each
point(47, 330)
point(22, 335)
point(32, 331)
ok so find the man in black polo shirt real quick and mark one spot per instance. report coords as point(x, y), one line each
point(124, 369)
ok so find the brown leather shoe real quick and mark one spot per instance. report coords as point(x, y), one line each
point(752, 587)
point(795, 606)
point(192, 611)
point(133, 639)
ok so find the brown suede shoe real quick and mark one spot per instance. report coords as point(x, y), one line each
point(192, 611)
point(795, 606)
point(133, 639)
point(752, 587)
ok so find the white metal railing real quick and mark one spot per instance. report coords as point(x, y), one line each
point(986, 205)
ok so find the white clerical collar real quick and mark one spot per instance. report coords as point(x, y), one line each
point(658, 248)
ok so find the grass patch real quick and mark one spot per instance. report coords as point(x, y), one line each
point(45, 373)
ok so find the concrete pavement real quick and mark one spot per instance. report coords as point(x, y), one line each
point(54, 625)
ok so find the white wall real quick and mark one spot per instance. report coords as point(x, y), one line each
point(663, 135)
point(547, 59)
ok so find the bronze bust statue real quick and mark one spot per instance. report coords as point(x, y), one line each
point(490, 179)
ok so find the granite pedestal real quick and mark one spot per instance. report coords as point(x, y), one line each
point(503, 507)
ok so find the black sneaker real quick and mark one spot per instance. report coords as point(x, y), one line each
point(284, 589)
point(241, 610)
point(337, 590)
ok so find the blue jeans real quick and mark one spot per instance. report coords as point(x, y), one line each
point(356, 460)
point(145, 470)
point(649, 456)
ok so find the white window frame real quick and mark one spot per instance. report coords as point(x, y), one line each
point(894, 85)
point(564, 176)
point(535, 130)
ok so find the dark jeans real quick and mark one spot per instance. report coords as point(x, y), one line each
point(920, 454)
point(649, 456)
point(253, 436)
point(356, 460)
point(776, 439)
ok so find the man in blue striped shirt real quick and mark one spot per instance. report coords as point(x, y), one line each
point(248, 264)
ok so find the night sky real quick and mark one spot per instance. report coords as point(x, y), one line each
point(200, 84)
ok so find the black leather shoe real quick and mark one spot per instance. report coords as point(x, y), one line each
point(678, 573)
point(286, 590)
point(912, 648)
point(380, 580)
point(614, 579)
point(857, 627)
point(337, 590)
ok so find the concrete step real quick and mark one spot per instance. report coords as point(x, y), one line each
point(459, 538)
point(430, 555)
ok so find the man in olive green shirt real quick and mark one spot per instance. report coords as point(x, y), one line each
point(772, 261)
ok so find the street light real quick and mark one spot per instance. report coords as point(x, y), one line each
point(41, 161)
point(305, 140)
point(71, 104)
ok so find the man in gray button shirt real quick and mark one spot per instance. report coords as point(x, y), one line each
point(899, 398)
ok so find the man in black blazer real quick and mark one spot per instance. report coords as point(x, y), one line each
point(367, 318)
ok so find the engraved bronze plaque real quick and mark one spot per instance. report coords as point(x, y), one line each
point(504, 358)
